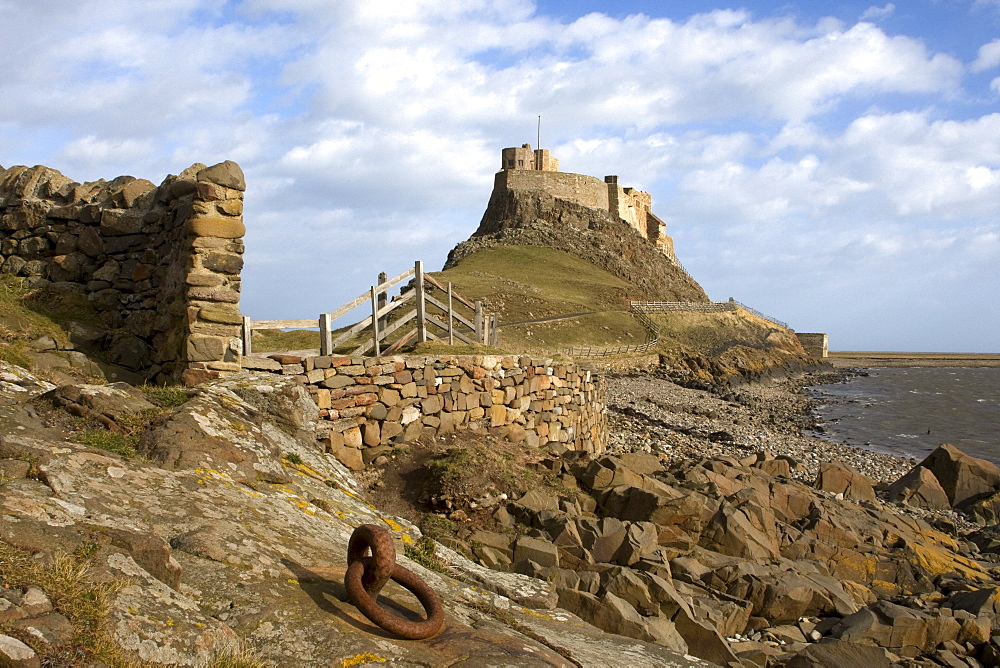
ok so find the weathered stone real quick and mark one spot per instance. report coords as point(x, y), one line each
point(15, 654)
point(843, 653)
point(962, 477)
point(539, 551)
point(217, 226)
point(226, 174)
point(838, 478)
point(920, 488)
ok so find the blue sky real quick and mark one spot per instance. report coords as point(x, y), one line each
point(835, 165)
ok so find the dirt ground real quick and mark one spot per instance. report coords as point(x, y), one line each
point(457, 478)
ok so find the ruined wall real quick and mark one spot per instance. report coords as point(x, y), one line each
point(372, 403)
point(160, 264)
point(815, 343)
point(584, 190)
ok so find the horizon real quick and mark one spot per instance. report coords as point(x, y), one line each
point(835, 165)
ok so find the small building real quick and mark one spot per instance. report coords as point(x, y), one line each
point(815, 343)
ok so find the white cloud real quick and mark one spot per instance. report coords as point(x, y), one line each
point(988, 57)
point(875, 13)
point(768, 144)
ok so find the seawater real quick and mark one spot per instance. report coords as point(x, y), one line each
point(909, 412)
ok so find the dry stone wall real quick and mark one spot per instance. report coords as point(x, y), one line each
point(369, 404)
point(161, 264)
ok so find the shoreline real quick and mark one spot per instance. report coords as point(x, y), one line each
point(649, 413)
point(875, 360)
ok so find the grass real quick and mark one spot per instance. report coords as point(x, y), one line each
point(65, 579)
point(524, 283)
point(110, 441)
point(423, 553)
point(166, 396)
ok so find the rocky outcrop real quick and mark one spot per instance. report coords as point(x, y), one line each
point(536, 218)
point(949, 478)
point(233, 532)
point(734, 559)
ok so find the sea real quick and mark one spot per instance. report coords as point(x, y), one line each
point(910, 411)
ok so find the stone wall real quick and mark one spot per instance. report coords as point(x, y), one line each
point(160, 264)
point(815, 343)
point(584, 190)
point(370, 404)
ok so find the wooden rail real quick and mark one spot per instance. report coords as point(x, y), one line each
point(431, 318)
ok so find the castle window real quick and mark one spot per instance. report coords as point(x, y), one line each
point(510, 163)
point(520, 163)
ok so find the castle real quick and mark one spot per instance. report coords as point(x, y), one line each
point(525, 169)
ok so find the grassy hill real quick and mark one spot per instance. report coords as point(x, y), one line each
point(529, 283)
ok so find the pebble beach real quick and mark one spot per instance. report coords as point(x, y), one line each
point(648, 413)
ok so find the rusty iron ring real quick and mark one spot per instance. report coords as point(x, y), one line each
point(366, 576)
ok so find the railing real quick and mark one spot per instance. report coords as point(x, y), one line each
point(702, 307)
point(446, 323)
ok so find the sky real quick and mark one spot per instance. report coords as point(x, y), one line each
point(835, 165)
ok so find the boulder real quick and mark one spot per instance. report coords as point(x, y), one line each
point(838, 478)
point(842, 653)
point(963, 478)
point(107, 404)
point(920, 488)
point(896, 628)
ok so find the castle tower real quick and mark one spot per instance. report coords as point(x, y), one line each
point(525, 158)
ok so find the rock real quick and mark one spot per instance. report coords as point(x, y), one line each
point(745, 531)
point(896, 628)
point(963, 478)
point(15, 654)
point(640, 541)
point(842, 653)
point(107, 404)
point(226, 174)
point(838, 478)
point(539, 551)
point(978, 601)
point(919, 488)
point(608, 612)
point(628, 585)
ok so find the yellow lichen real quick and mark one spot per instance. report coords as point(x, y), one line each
point(360, 659)
point(393, 524)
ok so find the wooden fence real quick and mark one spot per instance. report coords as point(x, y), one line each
point(450, 317)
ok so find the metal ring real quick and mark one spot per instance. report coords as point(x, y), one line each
point(362, 569)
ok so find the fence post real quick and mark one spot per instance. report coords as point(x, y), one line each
point(480, 336)
point(325, 334)
point(494, 330)
point(451, 319)
point(246, 333)
point(375, 330)
point(418, 270)
point(383, 299)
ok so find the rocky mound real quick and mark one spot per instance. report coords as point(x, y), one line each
point(536, 218)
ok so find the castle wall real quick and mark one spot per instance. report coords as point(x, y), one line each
point(585, 190)
point(370, 404)
point(161, 264)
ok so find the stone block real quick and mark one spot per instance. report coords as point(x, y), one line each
point(217, 226)
point(226, 173)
